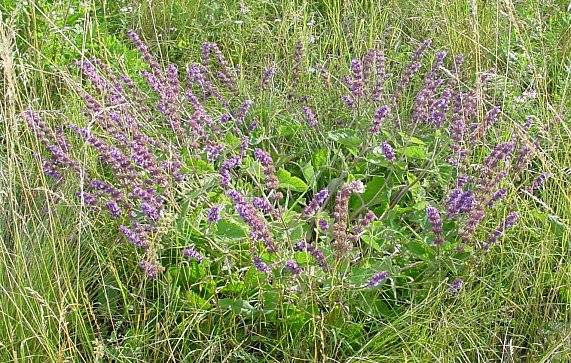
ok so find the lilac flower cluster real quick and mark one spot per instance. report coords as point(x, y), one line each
point(213, 151)
point(224, 171)
point(268, 167)
point(436, 223)
point(136, 237)
point(509, 222)
point(259, 230)
point(381, 114)
point(297, 62)
point(377, 279)
point(412, 68)
point(388, 152)
point(192, 254)
point(263, 205)
point(226, 74)
point(459, 201)
point(293, 267)
point(261, 265)
point(361, 225)
point(341, 244)
point(214, 214)
point(455, 286)
point(426, 107)
point(151, 269)
point(316, 253)
point(310, 116)
point(316, 203)
point(60, 158)
point(267, 76)
point(539, 181)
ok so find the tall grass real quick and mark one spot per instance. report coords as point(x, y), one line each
point(517, 302)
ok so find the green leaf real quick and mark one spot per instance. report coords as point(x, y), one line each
point(373, 195)
point(308, 173)
point(271, 300)
point(234, 287)
point(362, 274)
point(196, 301)
point(295, 318)
point(320, 158)
point(347, 137)
point(237, 306)
point(186, 275)
point(414, 152)
point(411, 139)
point(232, 140)
point(419, 249)
point(288, 128)
point(228, 229)
point(557, 226)
point(287, 181)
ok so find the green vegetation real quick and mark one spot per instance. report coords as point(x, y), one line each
point(71, 288)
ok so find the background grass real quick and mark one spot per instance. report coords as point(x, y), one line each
point(517, 302)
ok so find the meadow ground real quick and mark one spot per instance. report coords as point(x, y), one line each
point(70, 291)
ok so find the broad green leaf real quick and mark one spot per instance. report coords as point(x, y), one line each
point(374, 194)
point(291, 182)
point(237, 306)
point(308, 173)
point(411, 139)
point(196, 301)
point(320, 158)
point(232, 140)
point(288, 128)
point(347, 137)
point(271, 299)
point(233, 287)
point(228, 229)
point(414, 152)
point(419, 249)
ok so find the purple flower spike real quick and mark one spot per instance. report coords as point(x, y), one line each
point(50, 170)
point(293, 267)
point(267, 76)
point(151, 269)
point(434, 219)
point(539, 181)
point(213, 151)
point(261, 265)
point(357, 83)
point(313, 251)
point(323, 225)
point(269, 170)
point(88, 199)
point(135, 238)
point(499, 195)
point(378, 119)
point(214, 214)
point(262, 204)
point(113, 209)
point(509, 222)
point(263, 157)
point(388, 151)
point(316, 203)
point(377, 278)
point(192, 254)
point(455, 286)
point(243, 111)
point(310, 116)
point(150, 211)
